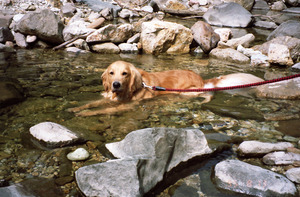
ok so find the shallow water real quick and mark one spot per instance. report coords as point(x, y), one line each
point(54, 81)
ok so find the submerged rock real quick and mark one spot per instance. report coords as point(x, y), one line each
point(11, 92)
point(251, 148)
point(53, 135)
point(241, 177)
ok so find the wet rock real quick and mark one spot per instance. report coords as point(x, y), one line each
point(293, 3)
point(281, 158)
point(256, 57)
point(32, 187)
point(106, 48)
point(78, 155)
point(112, 178)
point(5, 35)
point(266, 24)
point(20, 40)
point(68, 10)
point(11, 92)
point(45, 24)
point(228, 14)
point(244, 41)
point(230, 55)
point(261, 5)
point(111, 33)
point(289, 28)
point(75, 50)
point(293, 174)
point(76, 28)
point(159, 36)
point(98, 6)
point(81, 44)
point(205, 36)
point(128, 48)
point(96, 23)
point(5, 20)
point(238, 176)
point(145, 156)
point(253, 148)
point(293, 45)
point(279, 54)
point(288, 89)
point(278, 6)
point(5, 48)
point(53, 135)
point(224, 34)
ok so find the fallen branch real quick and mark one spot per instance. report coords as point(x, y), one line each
point(72, 40)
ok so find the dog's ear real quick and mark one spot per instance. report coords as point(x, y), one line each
point(135, 80)
point(105, 82)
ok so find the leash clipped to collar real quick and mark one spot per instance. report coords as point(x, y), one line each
point(157, 88)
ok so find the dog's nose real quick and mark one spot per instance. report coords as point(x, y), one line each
point(116, 85)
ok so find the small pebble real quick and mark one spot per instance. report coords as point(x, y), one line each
point(78, 155)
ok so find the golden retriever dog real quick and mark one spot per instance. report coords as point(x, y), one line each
point(123, 82)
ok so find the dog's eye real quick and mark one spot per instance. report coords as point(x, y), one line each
point(111, 73)
point(124, 73)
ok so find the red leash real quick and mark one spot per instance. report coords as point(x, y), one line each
point(157, 88)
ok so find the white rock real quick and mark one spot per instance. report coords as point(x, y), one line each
point(293, 174)
point(256, 147)
point(147, 8)
point(52, 132)
point(281, 158)
point(224, 34)
point(280, 54)
point(128, 48)
point(78, 155)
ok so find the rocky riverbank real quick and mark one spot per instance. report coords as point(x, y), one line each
point(150, 161)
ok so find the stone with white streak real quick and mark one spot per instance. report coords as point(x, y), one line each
point(281, 158)
point(53, 135)
point(251, 148)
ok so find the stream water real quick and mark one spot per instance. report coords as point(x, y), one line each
point(56, 80)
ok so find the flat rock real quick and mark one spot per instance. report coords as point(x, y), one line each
point(107, 48)
point(230, 55)
point(251, 148)
point(53, 135)
point(293, 174)
point(228, 14)
point(241, 177)
point(281, 158)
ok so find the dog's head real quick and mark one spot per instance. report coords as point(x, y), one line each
point(121, 78)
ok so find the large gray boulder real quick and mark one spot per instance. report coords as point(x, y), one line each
point(241, 177)
point(228, 14)
point(145, 156)
point(289, 28)
point(45, 24)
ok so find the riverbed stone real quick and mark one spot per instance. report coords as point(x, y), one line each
point(160, 36)
point(230, 55)
point(11, 91)
point(293, 174)
point(257, 148)
point(45, 24)
point(76, 28)
point(224, 33)
point(53, 135)
point(107, 48)
point(111, 33)
point(292, 43)
point(98, 6)
point(281, 158)
point(228, 14)
point(5, 35)
point(289, 28)
point(244, 41)
point(288, 89)
point(205, 36)
point(79, 154)
point(241, 177)
point(20, 40)
point(128, 48)
point(280, 54)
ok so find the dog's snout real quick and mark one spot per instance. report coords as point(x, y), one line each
point(116, 85)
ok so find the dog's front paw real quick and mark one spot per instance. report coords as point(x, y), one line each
point(86, 113)
point(74, 109)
